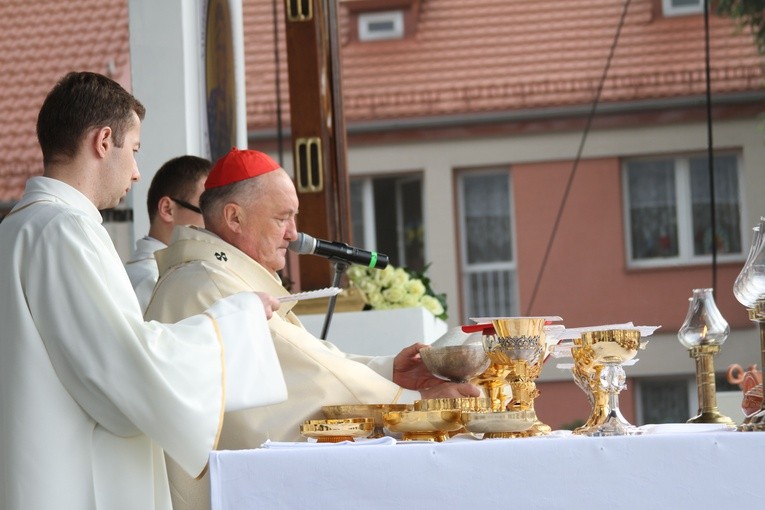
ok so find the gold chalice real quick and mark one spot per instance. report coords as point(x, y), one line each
point(493, 380)
point(519, 345)
point(610, 349)
point(587, 376)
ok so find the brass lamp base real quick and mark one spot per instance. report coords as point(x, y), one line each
point(713, 416)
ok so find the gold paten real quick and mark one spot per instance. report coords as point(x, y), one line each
point(373, 411)
point(500, 424)
point(335, 431)
point(423, 425)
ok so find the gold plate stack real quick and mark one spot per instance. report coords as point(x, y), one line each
point(373, 411)
point(499, 424)
point(335, 431)
point(434, 419)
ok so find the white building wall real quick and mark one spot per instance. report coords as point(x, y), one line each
point(438, 160)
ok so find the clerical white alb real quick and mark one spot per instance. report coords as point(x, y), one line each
point(142, 268)
point(90, 394)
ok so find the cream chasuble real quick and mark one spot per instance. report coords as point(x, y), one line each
point(90, 394)
point(198, 268)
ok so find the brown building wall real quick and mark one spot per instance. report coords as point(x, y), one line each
point(586, 280)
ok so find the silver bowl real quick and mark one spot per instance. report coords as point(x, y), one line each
point(456, 363)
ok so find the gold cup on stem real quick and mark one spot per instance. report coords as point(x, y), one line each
point(586, 374)
point(610, 349)
point(703, 332)
point(518, 349)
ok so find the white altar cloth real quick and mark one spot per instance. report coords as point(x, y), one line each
point(652, 471)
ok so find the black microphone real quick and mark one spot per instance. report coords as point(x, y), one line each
point(305, 244)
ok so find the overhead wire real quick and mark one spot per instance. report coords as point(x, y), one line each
point(279, 127)
point(710, 146)
point(575, 166)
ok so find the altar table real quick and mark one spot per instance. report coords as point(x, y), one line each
point(696, 470)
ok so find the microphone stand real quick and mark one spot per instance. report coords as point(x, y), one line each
point(339, 267)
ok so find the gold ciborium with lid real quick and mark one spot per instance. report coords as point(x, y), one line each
point(518, 348)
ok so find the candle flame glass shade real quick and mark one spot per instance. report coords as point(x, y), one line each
point(702, 333)
point(704, 324)
point(749, 286)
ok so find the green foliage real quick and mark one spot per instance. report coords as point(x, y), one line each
point(748, 13)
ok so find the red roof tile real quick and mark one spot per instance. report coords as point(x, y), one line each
point(501, 55)
point(464, 57)
point(40, 41)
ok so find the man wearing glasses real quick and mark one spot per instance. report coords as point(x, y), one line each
point(172, 200)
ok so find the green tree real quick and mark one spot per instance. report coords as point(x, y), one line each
point(748, 13)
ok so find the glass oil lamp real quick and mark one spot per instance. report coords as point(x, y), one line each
point(703, 332)
point(749, 289)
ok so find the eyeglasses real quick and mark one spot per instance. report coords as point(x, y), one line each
point(186, 205)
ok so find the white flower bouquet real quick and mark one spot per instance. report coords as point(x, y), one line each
point(397, 287)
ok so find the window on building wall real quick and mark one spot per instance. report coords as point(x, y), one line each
point(376, 26)
point(664, 400)
point(386, 216)
point(680, 7)
point(667, 209)
point(673, 399)
point(488, 267)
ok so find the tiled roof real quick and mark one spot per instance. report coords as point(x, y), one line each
point(40, 41)
point(503, 55)
point(464, 57)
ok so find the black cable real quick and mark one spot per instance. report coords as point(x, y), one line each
point(279, 128)
point(710, 147)
point(587, 126)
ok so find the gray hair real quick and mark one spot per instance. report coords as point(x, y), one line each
point(213, 200)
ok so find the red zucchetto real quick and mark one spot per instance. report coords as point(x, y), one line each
point(239, 165)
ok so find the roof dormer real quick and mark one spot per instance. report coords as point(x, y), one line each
point(682, 7)
point(379, 20)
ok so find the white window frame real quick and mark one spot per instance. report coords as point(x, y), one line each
point(368, 18)
point(400, 231)
point(672, 10)
point(683, 208)
point(367, 213)
point(465, 268)
point(369, 219)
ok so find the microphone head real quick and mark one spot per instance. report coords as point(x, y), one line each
point(304, 244)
